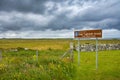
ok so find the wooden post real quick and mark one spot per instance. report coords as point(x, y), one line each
point(78, 52)
point(36, 55)
point(71, 51)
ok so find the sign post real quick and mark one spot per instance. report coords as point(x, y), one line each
point(96, 53)
point(88, 34)
point(78, 52)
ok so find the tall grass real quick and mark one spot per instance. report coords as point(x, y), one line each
point(23, 65)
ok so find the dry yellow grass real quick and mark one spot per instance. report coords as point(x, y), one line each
point(44, 44)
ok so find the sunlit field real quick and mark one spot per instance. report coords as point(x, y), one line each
point(48, 65)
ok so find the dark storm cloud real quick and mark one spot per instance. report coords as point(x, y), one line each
point(35, 6)
point(28, 15)
point(102, 14)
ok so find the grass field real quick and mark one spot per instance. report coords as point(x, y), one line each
point(108, 66)
point(24, 64)
point(44, 44)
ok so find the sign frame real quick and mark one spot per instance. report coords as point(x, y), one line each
point(88, 34)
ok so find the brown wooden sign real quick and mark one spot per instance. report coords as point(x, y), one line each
point(88, 34)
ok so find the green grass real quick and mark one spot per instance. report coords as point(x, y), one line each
point(108, 67)
point(23, 65)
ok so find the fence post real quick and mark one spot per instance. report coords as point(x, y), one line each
point(36, 55)
point(71, 51)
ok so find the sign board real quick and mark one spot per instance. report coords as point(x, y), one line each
point(88, 34)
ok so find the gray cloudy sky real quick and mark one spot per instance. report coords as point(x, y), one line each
point(58, 18)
